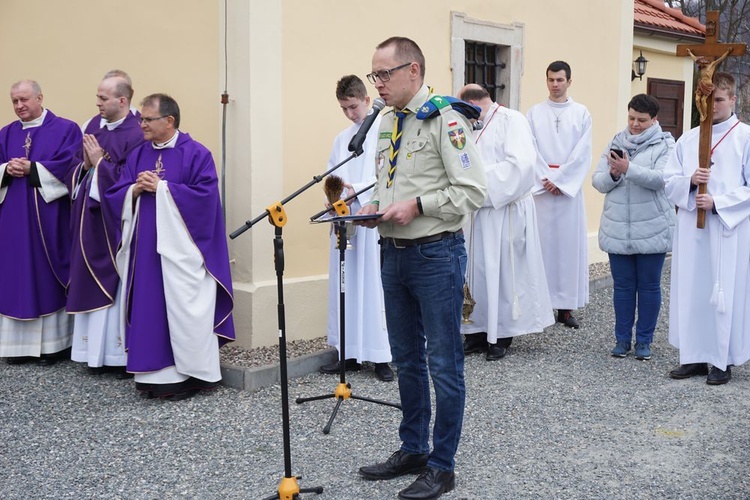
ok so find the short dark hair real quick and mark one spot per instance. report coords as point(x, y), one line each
point(474, 94)
point(643, 103)
point(725, 81)
point(351, 86)
point(167, 106)
point(559, 66)
point(407, 50)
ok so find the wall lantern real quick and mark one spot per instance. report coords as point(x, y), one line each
point(639, 68)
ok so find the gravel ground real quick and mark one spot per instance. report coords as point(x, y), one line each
point(260, 356)
point(557, 418)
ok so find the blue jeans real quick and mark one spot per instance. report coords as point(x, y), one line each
point(423, 290)
point(636, 277)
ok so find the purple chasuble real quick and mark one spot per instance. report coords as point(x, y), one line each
point(35, 242)
point(93, 272)
point(191, 175)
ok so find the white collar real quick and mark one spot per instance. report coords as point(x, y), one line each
point(37, 122)
point(111, 125)
point(554, 104)
point(170, 144)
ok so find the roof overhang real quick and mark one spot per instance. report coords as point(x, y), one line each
point(673, 36)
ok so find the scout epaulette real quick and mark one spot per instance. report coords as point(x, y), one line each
point(438, 104)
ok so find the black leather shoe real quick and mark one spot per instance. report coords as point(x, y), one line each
point(430, 484)
point(718, 377)
point(567, 319)
point(186, 394)
point(689, 370)
point(475, 342)
point(20, 360)
point(398, 464)
point(123, 374)
point(350, 365)
point(47, 360)
point(383, 372)
point(495, 352)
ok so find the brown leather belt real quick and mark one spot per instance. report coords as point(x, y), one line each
point(402, 243)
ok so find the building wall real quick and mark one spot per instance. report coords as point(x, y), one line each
point(662, 63)
point(283, 61)
point(166, 46)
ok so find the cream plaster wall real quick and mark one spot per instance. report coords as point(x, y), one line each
point(166, 46)
point(597, 44)
point(284, 59)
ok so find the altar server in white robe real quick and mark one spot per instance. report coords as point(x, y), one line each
point(562, 134)
point(366, 333)
point(709, 310)
point(506, 269)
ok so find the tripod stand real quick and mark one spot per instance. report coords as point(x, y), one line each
point(343, 390)
point(288, 488)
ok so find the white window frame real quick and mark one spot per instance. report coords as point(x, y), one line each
point(508, 36)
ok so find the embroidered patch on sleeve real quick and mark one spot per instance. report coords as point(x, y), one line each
point(380, 160)
point(457, 138)
point(465, 160)
point(452, 124)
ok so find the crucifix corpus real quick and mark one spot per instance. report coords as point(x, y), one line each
point(708, 56)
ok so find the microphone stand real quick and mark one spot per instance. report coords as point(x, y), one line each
point(343, 390)
point(288, 488)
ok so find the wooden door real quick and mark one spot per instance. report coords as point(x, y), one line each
point(671, 97)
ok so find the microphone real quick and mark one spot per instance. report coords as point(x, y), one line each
point(355, 145)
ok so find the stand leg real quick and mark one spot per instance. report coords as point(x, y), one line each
point(327, 428)
point(288, 488)
point(343, 389)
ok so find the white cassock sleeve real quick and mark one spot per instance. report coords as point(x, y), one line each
point(511, 177)
point(52, 189)
point(3, 190)
point(677, 179)
point(571, 174)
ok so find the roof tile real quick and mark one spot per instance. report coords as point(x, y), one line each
point(655, 14)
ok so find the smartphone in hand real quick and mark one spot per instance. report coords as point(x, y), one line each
point(618, 152)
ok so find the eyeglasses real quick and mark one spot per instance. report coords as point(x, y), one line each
point(384, 75)
point(150, 119)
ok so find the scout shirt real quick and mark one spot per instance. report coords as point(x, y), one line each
point(438, 162)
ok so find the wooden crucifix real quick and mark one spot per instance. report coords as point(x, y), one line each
point(708, 56)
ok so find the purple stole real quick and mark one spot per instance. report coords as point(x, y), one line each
point(93, 273)
point(35, 235)
point(190, 171)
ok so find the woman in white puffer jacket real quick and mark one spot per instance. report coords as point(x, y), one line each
point(637, 222)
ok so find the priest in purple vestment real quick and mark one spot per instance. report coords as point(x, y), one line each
point(173, 259)
point(37, 156)
point(108, 139)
